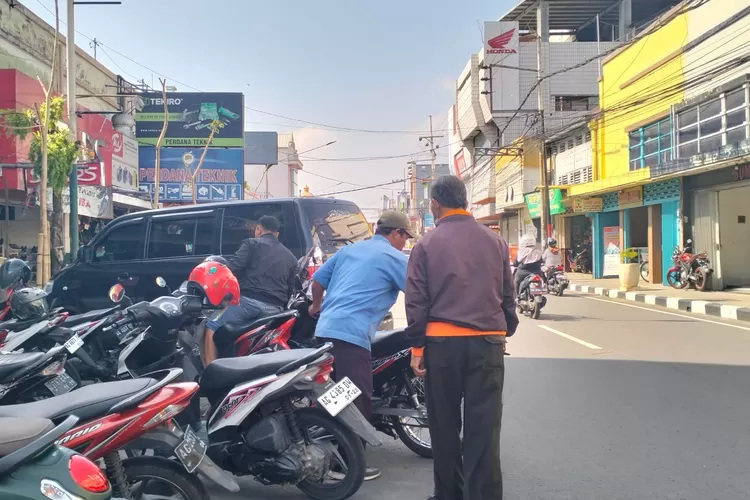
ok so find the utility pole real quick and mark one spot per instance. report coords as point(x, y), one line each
point(94, 44)
point(70, 45)
point(430, 139)
point(541, 96)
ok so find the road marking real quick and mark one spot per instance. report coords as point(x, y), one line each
point(570, 337)
point(686, 316)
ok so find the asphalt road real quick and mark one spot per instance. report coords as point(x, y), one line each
point(606, 401)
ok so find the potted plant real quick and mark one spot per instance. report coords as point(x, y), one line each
point(629, 270)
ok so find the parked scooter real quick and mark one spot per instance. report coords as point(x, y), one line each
point(34, 467)
point(285, 443)
point(134, 414)
point(579, 261)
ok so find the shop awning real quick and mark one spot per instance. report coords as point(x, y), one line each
point(131, 201)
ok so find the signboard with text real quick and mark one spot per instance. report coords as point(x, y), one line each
point(219, 178)
point(631, 197)
point(534, 203)
point(583, 205)
point(124, 162)
point(190, 117)
point(611, 243)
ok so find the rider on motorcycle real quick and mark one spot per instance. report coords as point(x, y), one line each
point(528, 261)
point(551, 256)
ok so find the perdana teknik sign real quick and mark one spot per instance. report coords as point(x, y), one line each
point(190, 118)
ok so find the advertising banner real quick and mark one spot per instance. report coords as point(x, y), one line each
point(429, 221)
point(611, 241)
point(93, 201)
point(534, 203)
point(190, 117)
point(124, 162)
point(219, 178)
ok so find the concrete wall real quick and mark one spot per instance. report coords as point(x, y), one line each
point(26, 45)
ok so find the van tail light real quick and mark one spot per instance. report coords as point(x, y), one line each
point(87, 475)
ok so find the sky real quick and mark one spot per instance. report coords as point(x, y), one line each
point(381, 68)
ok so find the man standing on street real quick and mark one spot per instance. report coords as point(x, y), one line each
point(362, 282)
point(265, 270)
point(460, 306)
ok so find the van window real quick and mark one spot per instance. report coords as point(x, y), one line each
point(171, 237)
point(123, 242)
point(335, 225)
point(240, 222)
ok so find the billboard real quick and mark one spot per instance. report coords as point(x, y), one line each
point(190, 117)
point(219, 178)
point(502, 47)
point(261, 148)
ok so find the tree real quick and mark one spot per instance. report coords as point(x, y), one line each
point(60, 154)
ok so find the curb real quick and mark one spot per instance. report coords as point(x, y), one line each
point(702, 307)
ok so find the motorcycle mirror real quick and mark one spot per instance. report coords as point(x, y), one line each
point(117, 293)
point(161, 282)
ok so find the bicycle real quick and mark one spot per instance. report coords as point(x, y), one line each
point(644, 271)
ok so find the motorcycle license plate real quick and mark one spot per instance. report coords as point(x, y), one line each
point(62, 384)
point(191, 450)
point(73, 344)
point(339, 396)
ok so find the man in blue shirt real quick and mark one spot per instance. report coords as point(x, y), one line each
point(361, 283)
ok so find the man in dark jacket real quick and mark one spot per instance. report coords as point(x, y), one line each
point(265, 270)
point(460, 306)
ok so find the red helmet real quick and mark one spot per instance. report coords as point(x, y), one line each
point(216, 282)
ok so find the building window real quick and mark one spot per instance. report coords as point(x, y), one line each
point(651, 145)
point(722, 121)
point(575, 103)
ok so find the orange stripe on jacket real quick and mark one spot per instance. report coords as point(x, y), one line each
point(437, 329)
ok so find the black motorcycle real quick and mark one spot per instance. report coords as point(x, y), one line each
point(557, 282)
point(530, 298)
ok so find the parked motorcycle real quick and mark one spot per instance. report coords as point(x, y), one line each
point(557, 282)
point(689, 270)
point(34, 467)
point(133, 415)
point(579, 262)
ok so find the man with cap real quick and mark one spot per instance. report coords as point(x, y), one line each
point(361, 283)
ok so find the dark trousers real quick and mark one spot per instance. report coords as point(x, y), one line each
point(472, 368)
point(355, 362)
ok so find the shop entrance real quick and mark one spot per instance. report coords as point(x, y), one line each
point(578, 239)
point(637, 232)
point(734, 236)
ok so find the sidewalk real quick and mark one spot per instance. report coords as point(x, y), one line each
point(727, 305)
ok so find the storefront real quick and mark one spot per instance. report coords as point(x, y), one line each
point(716, 218)
point(645, 218)
point(509, 229)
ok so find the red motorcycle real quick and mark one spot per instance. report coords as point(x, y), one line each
point(129, 415)
point(689, 270)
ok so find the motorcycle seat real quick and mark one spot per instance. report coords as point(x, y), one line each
point(228, 372)
point(385, 335)
point(85, 403)
point(95, 315)
point(11, 362)
point(228, 333)
point(15, 433)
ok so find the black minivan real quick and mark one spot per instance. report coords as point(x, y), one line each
point(137, 248)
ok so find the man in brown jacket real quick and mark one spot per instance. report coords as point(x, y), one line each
point(460, 306)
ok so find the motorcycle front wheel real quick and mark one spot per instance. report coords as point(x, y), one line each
point(675, 280)
point(319, 428)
